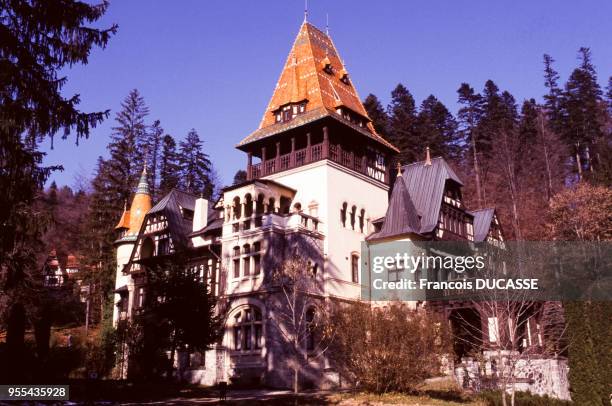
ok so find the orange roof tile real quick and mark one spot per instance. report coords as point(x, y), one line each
point(304, 78)
point(124, 222)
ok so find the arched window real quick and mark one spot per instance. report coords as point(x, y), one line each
point(343, 214)
point(248, 205)
point(147, 249)
point(361, 220)
point(353, 215)
point(271, 204)
point(259, 206)
point(355, 268)
point(247, 329)
point(237, 208)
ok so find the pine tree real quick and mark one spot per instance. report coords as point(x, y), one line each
point(195, 166)
point(153, 152)
point(436, 127)
point(239, 177)
point(127, 147)
point(168, 166)
point(469, 119)
point(39, 42)
point(402, 123)
point(582, 126)
point(609, 96)
point(553, 98)
point(493, 117)
point(378, 115)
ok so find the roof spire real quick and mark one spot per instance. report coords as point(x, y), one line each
point(305, 11)
point(399, 169)
point(143, 184)
point(427, 157)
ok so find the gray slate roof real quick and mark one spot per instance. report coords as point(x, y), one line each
point(425, 184)
point(482, 223)
point(416, 199)
point(401, 217)
point(178, 226)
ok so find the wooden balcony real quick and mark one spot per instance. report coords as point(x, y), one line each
point(299, 157)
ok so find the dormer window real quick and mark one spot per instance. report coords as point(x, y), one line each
point(327, 66)
point(289, 111)
point(344, 77)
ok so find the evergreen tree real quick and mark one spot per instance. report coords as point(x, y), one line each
point(195, 166)
point(402, 125)
point(39, 42)
point(582, 126)
point(153, 150)
point(378, 115)
point(469, 116)
point(493, 117)
point(609, 96)
point(585, 384)
point(127, 148)
point(553, 98)
point(239, 177)
point(436, 127)
point(168, 166)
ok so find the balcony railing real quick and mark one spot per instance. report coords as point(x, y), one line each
point(316, 152)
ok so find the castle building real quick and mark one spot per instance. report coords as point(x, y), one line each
point(318, 182)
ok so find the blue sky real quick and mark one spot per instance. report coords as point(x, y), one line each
point(212, 65)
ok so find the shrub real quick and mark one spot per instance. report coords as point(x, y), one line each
point(494, 398)
point(391, 348)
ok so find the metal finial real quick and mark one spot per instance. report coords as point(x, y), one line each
point(399, 169)
point(427, 157)
point(305, 10)
point(327, 24)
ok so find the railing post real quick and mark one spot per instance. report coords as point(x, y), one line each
point(263, 161)
point(325, 142)
point(249, 166)
point(364, 164)
point(339, 154)
point(277, 164)
point(292, 156)
point(308, 151)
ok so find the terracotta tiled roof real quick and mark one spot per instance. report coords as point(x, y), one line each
point(124, 222)
point(304, 78)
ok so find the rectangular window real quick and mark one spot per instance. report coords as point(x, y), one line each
point(237, 339)
point(247, 337)
point(236, 268)
point(355, 268)
point(257, 336)
point(256, 264)
point(246, 264)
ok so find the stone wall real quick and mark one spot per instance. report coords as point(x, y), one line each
point(540, 376)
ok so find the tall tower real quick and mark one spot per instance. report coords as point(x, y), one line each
point(128, 227)
point(316, 137)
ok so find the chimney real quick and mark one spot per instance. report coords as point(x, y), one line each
point(427, 157)
point(200, 214)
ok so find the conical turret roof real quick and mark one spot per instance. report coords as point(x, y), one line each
point(305, 78)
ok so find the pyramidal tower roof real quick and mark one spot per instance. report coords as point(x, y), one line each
point(315, 73)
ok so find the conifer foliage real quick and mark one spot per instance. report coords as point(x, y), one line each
point(195, 166)
point(168, 165)
point(38, 40)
